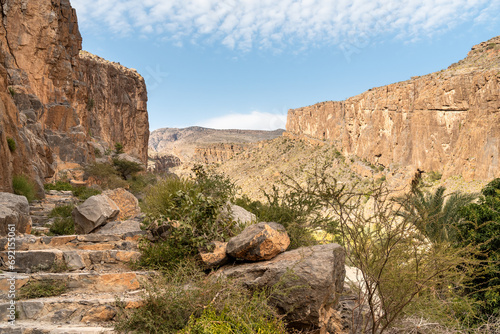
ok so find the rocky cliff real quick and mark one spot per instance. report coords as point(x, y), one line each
point(197, 144)
point(60, 106)
point(448, 121)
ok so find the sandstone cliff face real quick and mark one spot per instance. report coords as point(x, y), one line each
point(447, 121)
point(218, 153)
point(58, 105)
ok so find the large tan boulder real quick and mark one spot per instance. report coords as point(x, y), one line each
point(94, 212)
point(258, 242)
point(14, 211)
point(310, 281)
point(215, 256)
point(127, 203)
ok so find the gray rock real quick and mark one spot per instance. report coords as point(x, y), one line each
point(120, 227)
point(258, 242)
point(310, 281)
point(242, 216)
point(94, 212)
point(31, 309)
point(14, 209)
point(29, 261)
point(73, 260)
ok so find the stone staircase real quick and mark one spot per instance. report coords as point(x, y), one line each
point(94, 268)
point(40, 210)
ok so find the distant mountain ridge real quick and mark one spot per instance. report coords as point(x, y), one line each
point(203, 144)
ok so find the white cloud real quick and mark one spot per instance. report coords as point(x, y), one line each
point(255, 120)
point(245, 24)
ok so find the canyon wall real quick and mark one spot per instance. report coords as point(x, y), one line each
point(219, 152)
point(448, 121)
point(59, 105)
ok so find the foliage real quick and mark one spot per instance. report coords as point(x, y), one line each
point(435, 176)
point(184, 300)
point(24, 187)
point(118, 148)
point(63, 224)
point(213, 184)
point(481, 227)
point(140, 182)
point(296, 211)
point(397, 265)
point(194, 211)
point(434, 214)
point(126, 168)
point(59, 186)
point(105, 175)
point(12, 91)
point(42, 289)
point(11, 143)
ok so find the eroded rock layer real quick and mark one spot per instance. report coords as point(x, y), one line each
point(447, 121)
point(60, 106)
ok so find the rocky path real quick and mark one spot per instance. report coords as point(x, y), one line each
point(40, 210)
point(94, 270)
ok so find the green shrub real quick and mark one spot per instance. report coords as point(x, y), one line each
point(12, 91)
point(126, 168)
point(11, 143)
point(59, 186)
point(97, 153)
point(434, 176)
point(63, 224)
point(62, 211)
point(196, 207)
point(105, 175)
point(139, 183)
point(84, 193)
point(24, 187)
point(298, 213)
point(481, 227)
point(42, 289)
point(185, 300)
point(118, 148)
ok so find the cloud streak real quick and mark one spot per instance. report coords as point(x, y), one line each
point(264, 24)
point(255, 120)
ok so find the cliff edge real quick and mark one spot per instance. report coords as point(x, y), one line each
point(448, 121)
point(59, 105)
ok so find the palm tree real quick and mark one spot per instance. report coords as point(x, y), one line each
point(434, 214)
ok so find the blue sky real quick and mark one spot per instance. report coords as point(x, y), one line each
point(244, 63)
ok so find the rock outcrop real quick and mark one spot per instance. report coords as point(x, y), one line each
point(258, 242)
point(448, 121)
point(59, 105)
point(14, 213)
point(310, 283)
point(94, 212)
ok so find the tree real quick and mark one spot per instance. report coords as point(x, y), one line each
point(481, 227)
point(434, 214)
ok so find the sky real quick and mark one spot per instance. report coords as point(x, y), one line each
point(242, 64)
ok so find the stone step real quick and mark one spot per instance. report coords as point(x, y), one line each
point(54, 260)
point(84, 309)
point(126, 241)
point(115, 282)
point(36, 327)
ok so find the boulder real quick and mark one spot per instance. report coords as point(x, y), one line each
point(94, 212)
point(127, 203)
point(216, 256)
point(310, 281)
point(14, 209)
point(258, 242)
point(240, 215)
point(120, 227)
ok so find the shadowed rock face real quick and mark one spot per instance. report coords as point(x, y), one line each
point(447, 121)
point(57, 103)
